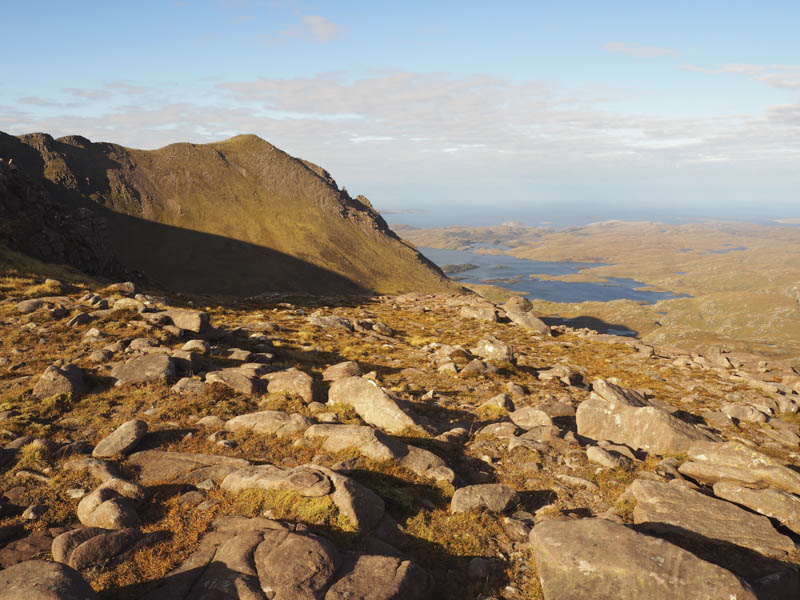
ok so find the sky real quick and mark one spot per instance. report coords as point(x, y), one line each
point(443, 105)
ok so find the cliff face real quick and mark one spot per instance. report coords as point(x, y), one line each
point(239, 216)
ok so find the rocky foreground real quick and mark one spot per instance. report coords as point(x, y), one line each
point(402, 447)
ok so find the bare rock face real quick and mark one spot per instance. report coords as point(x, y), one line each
point(492, 496)
point(122, 440)
point(625, 417)
point(382, 578)
point(595, 558)
point(292, 381)
point(711, 463)
point(661, 507)
point(269, 422)
point(66, 379)
point(371, 403)
point(771, 503)
point(158, 466)
point(145, 369)
point(43, 580)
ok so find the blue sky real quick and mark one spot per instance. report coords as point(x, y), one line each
point(421, 104)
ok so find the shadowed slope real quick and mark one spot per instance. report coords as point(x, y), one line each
point(242, 189)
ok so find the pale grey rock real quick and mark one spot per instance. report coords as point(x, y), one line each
point(606, 458)
point(496, 497)
point(528, 321)
point(235, 380)
point(191, 320)
point(371, 403)
point(744, 412)
point(626, 417)
point(200, 347)
point(665, 508)
point(768, 502)
point(122, 440)
point(292, 381)
point(529, 417)
point(189, 387)
point(330, 322)
point(158, 466)
point(596, 558)
point(490, 348)
point(151, 368)
point(341, 370)
point(65, 379)
point(481, 313)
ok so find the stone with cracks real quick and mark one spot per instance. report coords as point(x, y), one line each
point(150, 368)
point(159, 466)
point(381, 578)
point(770, 503)
point(711, 463)
point(122, 440)
point(678, 510)
point(269, 422)
point(595, 558)
point(626, 417)
point(492, 496)
point(43, 580)
point(371, 403)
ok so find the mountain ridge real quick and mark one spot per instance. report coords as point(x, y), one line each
point(243, 190)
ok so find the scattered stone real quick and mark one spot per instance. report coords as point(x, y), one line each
point(122, 440)
point(201, 347)
point(292, 381)
point(269, 422)
point(236, 380)
point(190, 320)
point(382, 578)
point(529, 417)
point(492, 496)
point(189, 387)
point(158, 466)
point(527, 320)
point(150, 368)
point(491, 348)
point(603, 457)
point(112, 505)
point(65, 379)
point(595, 558)
point(371, 403)
point(330, 322)
point(743, 412)
point(481, 313)
point(341, 370)
point(28, 306)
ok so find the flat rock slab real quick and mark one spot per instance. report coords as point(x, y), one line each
point(269, 422)
point(371, 403)
point(711, 463)
point(145, 369)
point(376, 445)
point(493, 496)
point(626, 417)
point(43, 580)
point(381, 578)
point(122, 440)
point(602, 560)
point(770, 503)
point(672, 509)
point(159, 466)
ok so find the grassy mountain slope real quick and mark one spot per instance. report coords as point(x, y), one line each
point(239, 216)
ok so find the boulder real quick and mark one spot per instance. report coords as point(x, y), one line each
point(528, 321)
point(492, 496)
point(529, 417)
point(65, 379)
point(678, 510)
point(122, 440)
point(712, 462)
point(200, 347)
point(269, 422)
point(196, 321)
point(371, 403)
point(768, 502)
point(94, 547)
point(626, 417)
point(151, 368)
point(292, 381)
point(382, 578)
point(595, 558)
point(481, 313)
point(43, 580)
point(519, 304)
point(606, 458)
point(341, 370)
point(112, 505)
point(28, 306)
point(491, 348)
point(330, 322)
point(236, 380)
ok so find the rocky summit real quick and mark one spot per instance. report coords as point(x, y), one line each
point(419, 446)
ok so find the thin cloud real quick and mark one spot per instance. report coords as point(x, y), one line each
point(314, 28)
point(87, 94)
point(639, 50)
point(125, 87)
point(776, 75)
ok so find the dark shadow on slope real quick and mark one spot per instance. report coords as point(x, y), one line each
point(594, 323)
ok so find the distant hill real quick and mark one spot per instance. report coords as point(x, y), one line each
point(235, 217)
